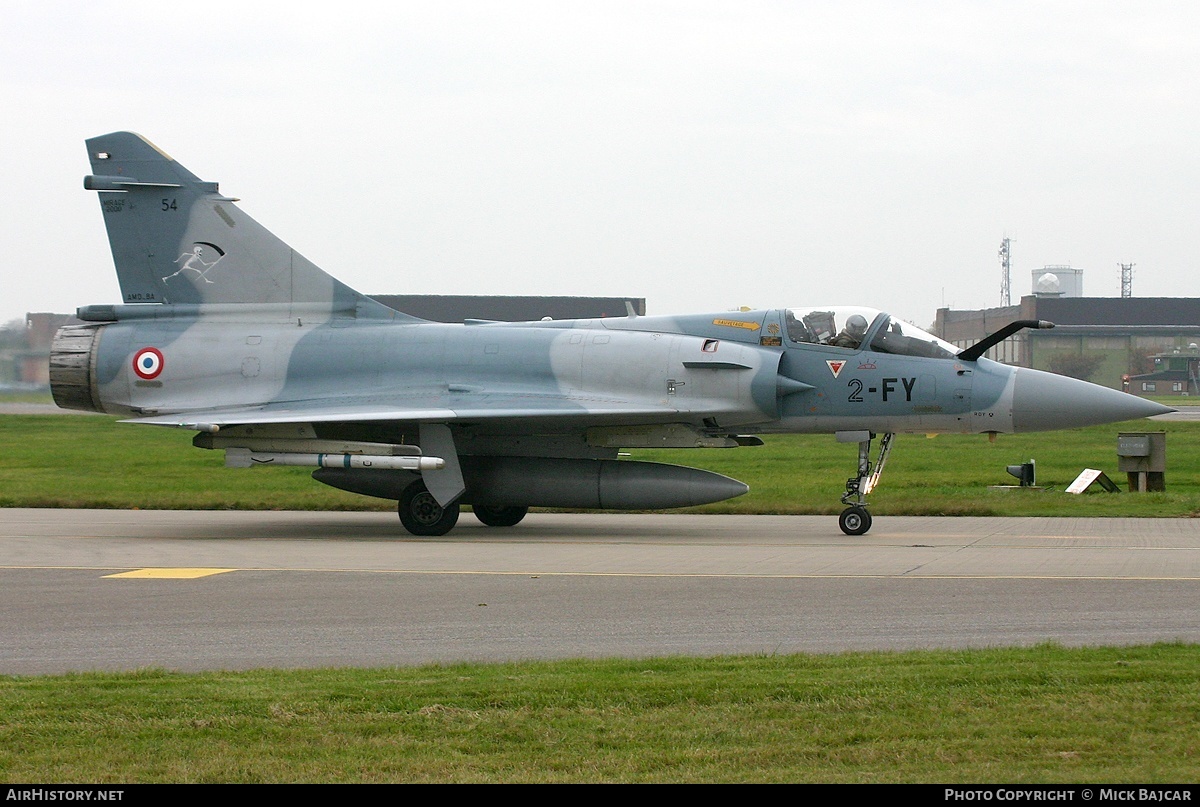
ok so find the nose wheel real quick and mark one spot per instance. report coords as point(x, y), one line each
point(856, 519)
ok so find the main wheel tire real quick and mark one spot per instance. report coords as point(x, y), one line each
point(499, 516)
point(855, 520)
point(421, 514)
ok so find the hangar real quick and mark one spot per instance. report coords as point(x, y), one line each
point(1106, 340)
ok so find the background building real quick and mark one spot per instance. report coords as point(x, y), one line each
point(1175, 373)
point(1105, 340)
point(25, 351)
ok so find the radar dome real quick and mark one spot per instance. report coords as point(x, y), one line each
point(1048, 284)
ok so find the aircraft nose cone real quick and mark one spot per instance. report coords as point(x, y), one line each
point(1046, 401)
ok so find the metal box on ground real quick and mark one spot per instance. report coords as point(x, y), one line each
point(1143, 457)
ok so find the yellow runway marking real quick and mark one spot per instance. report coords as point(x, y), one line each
point(171, 574)
point(195, 572)
point(190, 573)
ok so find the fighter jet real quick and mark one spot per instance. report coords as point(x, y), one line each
point(227, 331)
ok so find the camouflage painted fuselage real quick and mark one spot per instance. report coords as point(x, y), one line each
point(226, 330)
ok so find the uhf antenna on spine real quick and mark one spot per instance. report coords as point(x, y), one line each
point(1126, 279)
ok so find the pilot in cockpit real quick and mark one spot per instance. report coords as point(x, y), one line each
point(851, 336)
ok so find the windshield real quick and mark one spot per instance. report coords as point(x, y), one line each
point(851, 327)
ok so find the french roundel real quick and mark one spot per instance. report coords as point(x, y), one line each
point(148, 363)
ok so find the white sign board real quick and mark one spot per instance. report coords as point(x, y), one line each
point(1085, 480)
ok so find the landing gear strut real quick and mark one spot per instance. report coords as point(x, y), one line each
point(855, 519)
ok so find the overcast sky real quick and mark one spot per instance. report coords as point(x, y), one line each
point(702, 155)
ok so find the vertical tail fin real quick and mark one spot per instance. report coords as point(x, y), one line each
point(176, 240)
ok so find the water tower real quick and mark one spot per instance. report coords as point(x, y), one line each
point(1058, 281)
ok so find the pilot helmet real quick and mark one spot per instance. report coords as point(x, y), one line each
point(856, 324)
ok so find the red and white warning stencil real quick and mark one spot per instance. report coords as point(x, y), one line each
point(148, 363)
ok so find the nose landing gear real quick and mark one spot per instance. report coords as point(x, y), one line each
point(856, 519)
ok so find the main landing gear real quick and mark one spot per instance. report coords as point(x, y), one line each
point(421, 514)
point(855, 519)
point(499, 516)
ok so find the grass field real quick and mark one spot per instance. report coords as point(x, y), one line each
point(1038, 715)
point(95, 461)
point(1034, 715)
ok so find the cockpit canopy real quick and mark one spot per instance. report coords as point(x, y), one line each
point(855, 328)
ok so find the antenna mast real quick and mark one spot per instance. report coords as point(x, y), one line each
point(1006, 274)
point(1126, 279)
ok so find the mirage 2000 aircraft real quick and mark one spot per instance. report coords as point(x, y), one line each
point(227, 331)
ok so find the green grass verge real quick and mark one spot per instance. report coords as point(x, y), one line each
point(1046, 714)
point(95, 461)
point(32, 396)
